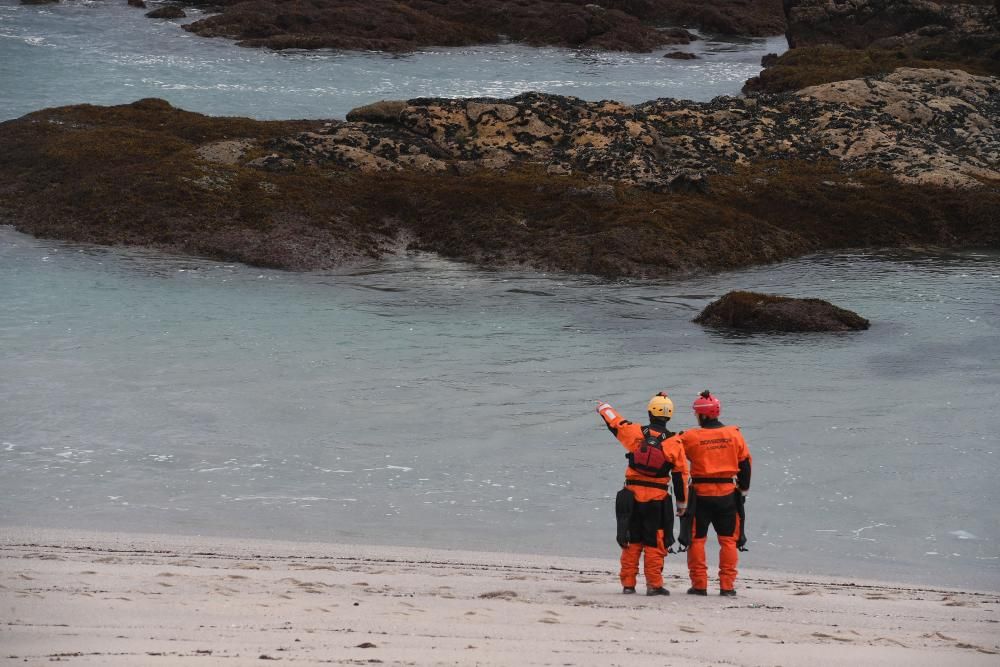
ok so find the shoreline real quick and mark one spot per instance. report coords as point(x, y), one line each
point(108, 598)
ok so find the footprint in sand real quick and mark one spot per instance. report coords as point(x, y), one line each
point(610, 624)
point(938, 635)
point(548, 620)
point(502, 595)
point(687, 628)
point(888, 640)
point(823, 635)
point(975, 648)
point(805, 592)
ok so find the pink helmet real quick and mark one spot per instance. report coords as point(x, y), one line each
point(707, 405)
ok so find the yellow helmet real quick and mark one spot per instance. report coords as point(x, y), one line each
point(661, 406)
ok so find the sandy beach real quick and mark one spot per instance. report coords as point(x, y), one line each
point(117, 599)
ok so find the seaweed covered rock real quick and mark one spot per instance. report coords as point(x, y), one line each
point(405, 25)
point(834, 41)
point(543, 181)
point(751, 311)
point(862, 23)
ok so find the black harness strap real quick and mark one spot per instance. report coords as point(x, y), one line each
point(641, 482)
point(711, 480)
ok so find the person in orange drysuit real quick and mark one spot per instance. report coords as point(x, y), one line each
point(643, 508)
point(720, 479)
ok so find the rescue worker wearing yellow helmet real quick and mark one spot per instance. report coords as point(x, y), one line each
point(643, 508)
point(720, 480)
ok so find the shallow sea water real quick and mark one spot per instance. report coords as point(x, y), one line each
point(424, 402)
point(108, 53)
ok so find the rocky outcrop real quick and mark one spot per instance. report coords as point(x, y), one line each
point(750, 311)
point(544, 181)
point(758, 18)
point(405, 25)
point(663, 144)
point(833, 40)
point(862, 23)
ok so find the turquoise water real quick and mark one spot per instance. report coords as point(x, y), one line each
point(424, 402)
point(109, 53)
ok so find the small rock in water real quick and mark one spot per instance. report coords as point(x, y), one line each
point(681, 55)
point(750, 311)
point(168, 12)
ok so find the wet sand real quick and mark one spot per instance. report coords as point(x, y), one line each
point(129, 599)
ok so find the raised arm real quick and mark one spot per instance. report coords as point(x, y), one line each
point(618, 425)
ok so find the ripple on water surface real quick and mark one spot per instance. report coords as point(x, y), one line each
point(432, 403)
point(103, 53)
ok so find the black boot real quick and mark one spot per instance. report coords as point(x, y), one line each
point(730, 593)
point(628, 590)
point(697, 591)
point(657, 591)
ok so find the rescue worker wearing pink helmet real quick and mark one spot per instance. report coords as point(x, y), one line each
point(643, 508)
point(720, 479)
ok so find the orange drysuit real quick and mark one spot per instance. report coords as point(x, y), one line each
point(720, 461)
point(650, 493)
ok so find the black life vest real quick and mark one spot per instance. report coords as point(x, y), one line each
point(649, 459)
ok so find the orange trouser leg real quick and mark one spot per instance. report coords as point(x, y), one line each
point(729, 556)
point(630, 563)
point(652, 564)
point(697, 567)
